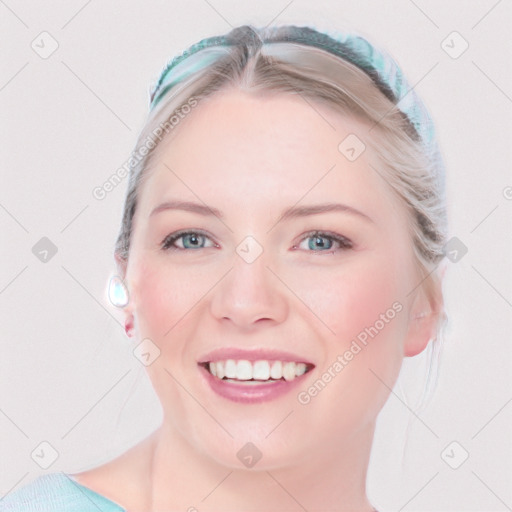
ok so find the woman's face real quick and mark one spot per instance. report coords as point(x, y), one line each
point(250, 284)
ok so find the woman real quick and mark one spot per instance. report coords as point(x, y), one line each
point(278, 257)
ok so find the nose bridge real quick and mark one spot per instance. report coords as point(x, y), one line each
point(250, 291)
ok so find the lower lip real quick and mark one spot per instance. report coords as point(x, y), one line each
point(250, 393)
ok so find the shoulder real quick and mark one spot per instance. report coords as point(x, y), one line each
point(55, 492)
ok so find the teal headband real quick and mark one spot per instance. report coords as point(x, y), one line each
point(380, 67)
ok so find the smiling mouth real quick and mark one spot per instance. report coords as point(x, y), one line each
point(262, 371)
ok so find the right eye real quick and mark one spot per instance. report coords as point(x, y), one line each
point(188, 240)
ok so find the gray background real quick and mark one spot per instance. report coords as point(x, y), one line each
point(69, 121)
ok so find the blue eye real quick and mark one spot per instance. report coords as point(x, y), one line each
point(319, 241)
point(189, 239)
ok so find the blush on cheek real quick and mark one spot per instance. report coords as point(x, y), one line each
point(168, 297)
point(161, 302)
point(365, 352)
point(361, 306)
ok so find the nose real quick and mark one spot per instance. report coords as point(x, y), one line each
point(250, 294)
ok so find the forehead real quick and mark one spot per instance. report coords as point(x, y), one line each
point(245, 151)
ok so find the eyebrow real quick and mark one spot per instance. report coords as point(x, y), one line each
point(289, 213)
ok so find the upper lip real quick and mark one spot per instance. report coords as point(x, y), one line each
point(256, 354)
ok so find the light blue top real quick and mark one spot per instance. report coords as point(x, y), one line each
point(56, 492)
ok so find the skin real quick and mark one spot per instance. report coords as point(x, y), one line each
point(252, 157)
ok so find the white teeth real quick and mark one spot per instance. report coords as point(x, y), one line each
point(244, 370)
point(289, 371)
point(300, 369)
point(277, 370)
point(262, 370)
point(230, 369)
point(219, 366)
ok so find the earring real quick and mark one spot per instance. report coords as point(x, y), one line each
point(117, 292)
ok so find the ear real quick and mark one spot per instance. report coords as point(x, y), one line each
point(424, 318)
point(122, 264)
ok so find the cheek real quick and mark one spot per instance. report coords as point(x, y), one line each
point(364, 307)
point(164, 295)
point(156, 303)
point(354, 296)
point(361, 302)
point(167, 297)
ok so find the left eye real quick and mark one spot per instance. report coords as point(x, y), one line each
point(318, 241)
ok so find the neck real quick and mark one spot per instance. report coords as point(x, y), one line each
point(333, 478)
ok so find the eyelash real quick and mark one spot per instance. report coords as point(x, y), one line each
point(344, 243)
